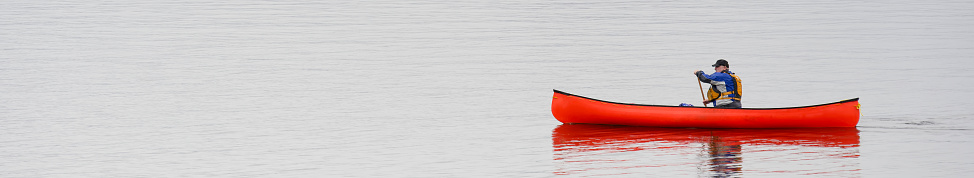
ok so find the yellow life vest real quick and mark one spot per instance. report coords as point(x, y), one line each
point(714, 95)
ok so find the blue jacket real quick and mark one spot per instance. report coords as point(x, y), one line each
point(720, 82)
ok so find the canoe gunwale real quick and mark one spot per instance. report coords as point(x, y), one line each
point(633, 104)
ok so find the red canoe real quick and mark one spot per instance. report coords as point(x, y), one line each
point(574, 109)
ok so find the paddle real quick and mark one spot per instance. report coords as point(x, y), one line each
point(701, 92)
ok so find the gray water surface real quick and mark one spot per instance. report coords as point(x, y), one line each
point(462, 88)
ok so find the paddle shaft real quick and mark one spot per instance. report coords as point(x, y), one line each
point(701, 92)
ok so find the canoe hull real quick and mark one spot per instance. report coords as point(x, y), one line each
point(573, 109)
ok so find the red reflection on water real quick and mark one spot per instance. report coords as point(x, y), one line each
point(721, 149)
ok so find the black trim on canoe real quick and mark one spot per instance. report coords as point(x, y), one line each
point(632, 104)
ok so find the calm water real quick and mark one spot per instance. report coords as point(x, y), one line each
point(463, 89)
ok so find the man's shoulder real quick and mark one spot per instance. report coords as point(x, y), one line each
point(720, 74)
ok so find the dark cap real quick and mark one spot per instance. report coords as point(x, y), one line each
point(721, 62)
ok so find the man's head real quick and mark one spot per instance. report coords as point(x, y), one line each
point(721, 65)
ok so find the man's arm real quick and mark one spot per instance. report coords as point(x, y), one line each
point(702, 77)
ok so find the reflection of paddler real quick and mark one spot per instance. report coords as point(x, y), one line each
point(577, 147)
point(725, 157)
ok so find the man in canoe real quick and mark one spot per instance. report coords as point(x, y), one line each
point(725, 86)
